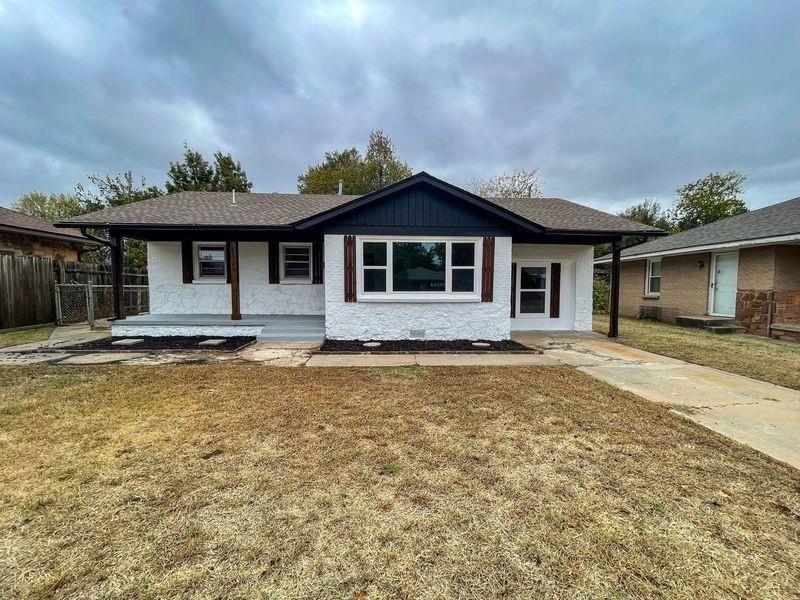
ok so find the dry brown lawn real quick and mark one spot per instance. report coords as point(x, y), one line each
point(240, 480)
point(749, 355)
point(24, 336)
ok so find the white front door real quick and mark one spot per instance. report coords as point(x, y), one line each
point(533, 281)
point(723, 284)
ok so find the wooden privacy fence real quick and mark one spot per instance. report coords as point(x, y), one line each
point(26, 291)
point(28, 286)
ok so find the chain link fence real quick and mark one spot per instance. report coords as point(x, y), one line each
point(82, 302)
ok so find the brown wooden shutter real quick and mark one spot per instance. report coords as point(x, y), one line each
point(272, 258)
point(513, 290)
point(228, 262)
point(187, 261)
point(555, 290)
point(487, 278)
point(318, 261)
point(349, 268)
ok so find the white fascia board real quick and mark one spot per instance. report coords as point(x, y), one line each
point(780, 239)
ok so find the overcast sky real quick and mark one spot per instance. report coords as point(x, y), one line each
point(613, 101)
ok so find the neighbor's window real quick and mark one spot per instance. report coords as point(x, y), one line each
point(210, 261)
point(295, 263)
point(653, 277)
point(418, 267)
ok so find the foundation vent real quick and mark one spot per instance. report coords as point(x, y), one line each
point(416, 334)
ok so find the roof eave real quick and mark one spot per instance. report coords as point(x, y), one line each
point(63, 237)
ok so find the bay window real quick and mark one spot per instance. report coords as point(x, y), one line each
point(419, 269)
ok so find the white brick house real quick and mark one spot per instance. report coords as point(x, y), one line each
point(420, 259)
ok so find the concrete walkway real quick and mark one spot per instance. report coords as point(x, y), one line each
point(762, 415)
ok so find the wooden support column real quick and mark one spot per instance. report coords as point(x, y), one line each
point(117, 275)
point(613, 317)
point(233, 274)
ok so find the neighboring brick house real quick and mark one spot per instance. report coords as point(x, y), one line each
point(21, 235)
point(745, 267)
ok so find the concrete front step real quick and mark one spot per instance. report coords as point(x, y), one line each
point(724, 329)
point(703, 321)
point(281, 336)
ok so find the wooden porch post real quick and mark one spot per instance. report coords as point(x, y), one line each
point(613, 319)
point(233, 272)
point(117, 276)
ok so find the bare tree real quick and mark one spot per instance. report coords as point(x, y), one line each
point(520, 183)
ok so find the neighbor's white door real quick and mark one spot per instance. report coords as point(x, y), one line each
point(723, 284)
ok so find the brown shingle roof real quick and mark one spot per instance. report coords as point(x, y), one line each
point(563, 215)
point(12, 219)
point(216, 209)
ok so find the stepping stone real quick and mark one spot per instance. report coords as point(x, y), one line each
point(127, 342)
point(213, 342)
point(371, 344)
point(100, 358)
point(482, 344)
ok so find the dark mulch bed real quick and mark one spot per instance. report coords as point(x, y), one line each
point(417, 346)
point(180, 343)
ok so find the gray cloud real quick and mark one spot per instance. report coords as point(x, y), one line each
point(614, 102)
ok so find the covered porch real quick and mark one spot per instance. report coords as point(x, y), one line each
point(263, 327)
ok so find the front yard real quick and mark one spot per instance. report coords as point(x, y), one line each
point(241, 480)
point(24, 336)
point(760, 358)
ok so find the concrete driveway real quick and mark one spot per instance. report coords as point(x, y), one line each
point(761, 415)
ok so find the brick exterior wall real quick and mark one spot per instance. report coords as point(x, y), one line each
point(24, 245)
point(684, 286)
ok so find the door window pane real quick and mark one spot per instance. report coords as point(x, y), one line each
point(374, 280)
point(533, 278)
point(532, 302)
point(375, 254)
point(463, 255)
point(463, 280)
point(418, 266)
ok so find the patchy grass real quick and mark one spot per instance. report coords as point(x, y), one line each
point(239, 480)
point(760, 358)
point(24, 336)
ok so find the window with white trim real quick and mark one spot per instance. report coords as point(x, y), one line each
point(209, 261)
point(419, 268)
point(296, 264)
point(653, 283)
point(533, 289)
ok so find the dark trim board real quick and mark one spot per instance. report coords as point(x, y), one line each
point(421, 231)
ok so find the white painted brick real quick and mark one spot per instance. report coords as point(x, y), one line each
point(440, 320)
point(169, 295)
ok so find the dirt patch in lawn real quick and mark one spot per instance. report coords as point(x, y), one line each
point(423, 346)
point(166, 343)
point(236, 480)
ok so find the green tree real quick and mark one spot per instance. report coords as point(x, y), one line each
point(359, 174)
point(714, 197)
point(106, 191)
point(383, 167)
point(50, 207)
point(229, 174)
point(647, 212)
point(195, 173)
point(520, 183)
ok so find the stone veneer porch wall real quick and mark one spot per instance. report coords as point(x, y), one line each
point(768, 275)
point(169, 295)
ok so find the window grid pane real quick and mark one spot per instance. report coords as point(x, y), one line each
point(418, 266)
